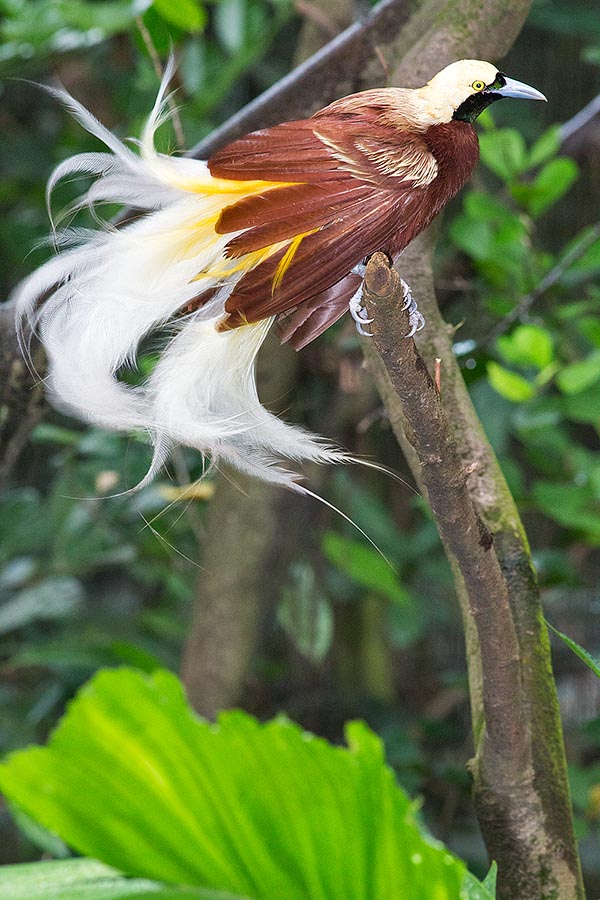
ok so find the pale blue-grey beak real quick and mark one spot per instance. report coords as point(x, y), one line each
point(514, 88)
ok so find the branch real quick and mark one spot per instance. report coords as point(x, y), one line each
point(22, 403)
point(522, 309)
point(520, 788)
point(580, 121)
point(462, 531)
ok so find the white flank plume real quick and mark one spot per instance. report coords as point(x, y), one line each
point(106, 290)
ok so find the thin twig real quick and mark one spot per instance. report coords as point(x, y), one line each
point(524, 305)
point(580, 120)
point(437, 378)
point(386, 69)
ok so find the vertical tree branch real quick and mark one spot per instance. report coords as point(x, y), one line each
point(22, 402)
point(233, 594)
point(521, 794)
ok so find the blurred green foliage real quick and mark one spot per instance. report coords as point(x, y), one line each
point(541, 352)
point(85, 582)
point(89, 582)
point(565, 18)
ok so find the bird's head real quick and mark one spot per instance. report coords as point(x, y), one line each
point(465, 88)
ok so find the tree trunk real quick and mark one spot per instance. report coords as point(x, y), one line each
point(22, 402)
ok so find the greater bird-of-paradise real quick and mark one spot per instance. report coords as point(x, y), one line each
point(274, 228)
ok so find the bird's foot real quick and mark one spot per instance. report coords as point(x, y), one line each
point(415, 319)
point(358, 311)
point(361, 316)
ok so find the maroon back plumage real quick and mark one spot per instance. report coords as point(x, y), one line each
point(360, 184)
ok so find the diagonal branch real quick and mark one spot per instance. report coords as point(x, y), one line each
point(346, 64)
point(520, 790)
point(462, 531)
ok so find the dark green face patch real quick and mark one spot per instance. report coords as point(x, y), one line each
point(474, 105)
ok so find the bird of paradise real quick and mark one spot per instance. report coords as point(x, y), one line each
point(274, 228)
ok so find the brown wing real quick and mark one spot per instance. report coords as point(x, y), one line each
point(288, 152)
point(302, 325)
point(322, 259)
point(281, 214)
point(320, 149)
point(352, 187)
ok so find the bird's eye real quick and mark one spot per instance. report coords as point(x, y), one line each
point(478, 85)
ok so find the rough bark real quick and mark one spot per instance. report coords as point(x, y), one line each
point(520, 787)
point(233, 593)
point(22, 402)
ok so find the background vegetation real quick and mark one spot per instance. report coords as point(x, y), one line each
point(88, 582)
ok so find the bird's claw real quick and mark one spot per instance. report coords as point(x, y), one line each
point(361, 316)
point(359, 313)
point(415, 319)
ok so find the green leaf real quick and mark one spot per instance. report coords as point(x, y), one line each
point(230, 23)
point(552, 183)
point(132, 777)
point(546, 146)
point(493, 235)
point(475, 238)
point(188, 15)
point(583, 406)
point(586, 265)
point(477, 890)
point(365, 566)
point(589, 326)
point(86, 879)
point(571, 505)
point(486, 208)
point(56, 597)
point(579, 651)
point(305, 614)
point(528, 345)
point(580, 375)
point(504, 152)
point(491, 878)
point(508, 384)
